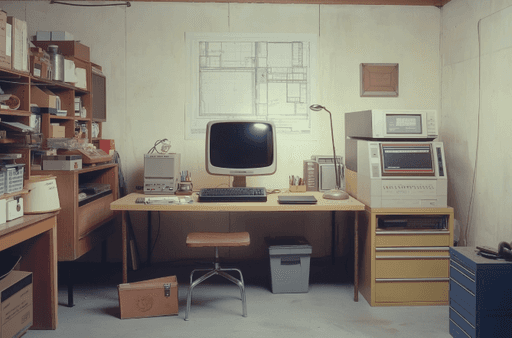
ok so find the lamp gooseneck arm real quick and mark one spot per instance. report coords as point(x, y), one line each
point(338, 186)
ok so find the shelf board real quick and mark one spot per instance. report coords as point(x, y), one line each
point(57, 117)
point(57, 85)
point(15, 112)
point(11, 73)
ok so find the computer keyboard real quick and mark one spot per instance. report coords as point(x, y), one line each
point(238, 194)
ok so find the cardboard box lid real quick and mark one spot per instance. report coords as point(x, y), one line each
point(156, 283)
point(14, 282)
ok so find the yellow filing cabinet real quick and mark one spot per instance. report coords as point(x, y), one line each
point(404, 258)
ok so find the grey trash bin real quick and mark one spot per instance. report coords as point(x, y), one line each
point(289, 263)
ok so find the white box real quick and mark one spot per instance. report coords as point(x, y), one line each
point(81, 78)
point(43, 36)
point(3, 213)
point(62, 36)
point(62, 162)
point(19, 53)
point(69, 71)
point(14, 208)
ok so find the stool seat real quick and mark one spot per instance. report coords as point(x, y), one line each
point(217, 239)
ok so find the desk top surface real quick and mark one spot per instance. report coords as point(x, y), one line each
point(128, 203)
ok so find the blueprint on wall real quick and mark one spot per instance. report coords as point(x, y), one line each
point(247, 76)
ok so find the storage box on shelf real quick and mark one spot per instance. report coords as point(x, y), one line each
point(405, 265)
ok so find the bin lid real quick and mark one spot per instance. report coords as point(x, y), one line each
point(287, 242)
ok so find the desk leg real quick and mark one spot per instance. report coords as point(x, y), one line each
point(333, 237)
point(356, 257)
point(150, 231)
point(124, 240)
point(41, 259)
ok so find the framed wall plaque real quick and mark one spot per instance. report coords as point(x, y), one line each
point(379, 79)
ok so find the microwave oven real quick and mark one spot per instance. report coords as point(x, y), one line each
point(378, 124)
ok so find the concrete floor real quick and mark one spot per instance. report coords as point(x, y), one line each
point(327, 310)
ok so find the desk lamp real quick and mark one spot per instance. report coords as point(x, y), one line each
point(336, 193)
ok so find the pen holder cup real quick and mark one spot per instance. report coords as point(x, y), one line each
point(297, 188)
point(184, 188)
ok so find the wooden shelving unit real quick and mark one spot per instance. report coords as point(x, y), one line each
point(79, 227)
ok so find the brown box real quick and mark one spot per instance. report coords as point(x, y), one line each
point(67, 48)
point(149, 298)
point(107, 146)
point(39, 68)
point(5, 55)
point(57, 131)
point(43, 97)
point(16, 311)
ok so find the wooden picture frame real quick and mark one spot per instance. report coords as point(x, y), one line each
point(379, 79)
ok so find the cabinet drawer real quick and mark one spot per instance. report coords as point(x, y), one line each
point(412, 291)
point(419, 262)
point(91, 215)
point(411, 268)
point(457, 332)
point(462, 323)
point(412, 238)
point(465, 298)
point(459, 274)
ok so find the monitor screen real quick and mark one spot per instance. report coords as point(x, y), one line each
point(403, 123)
point(240, 148)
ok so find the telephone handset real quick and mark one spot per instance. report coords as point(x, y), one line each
point(504, 251)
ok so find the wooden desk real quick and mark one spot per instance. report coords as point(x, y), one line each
point(37, 239)
point(127, 203)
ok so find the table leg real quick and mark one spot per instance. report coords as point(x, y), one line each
point(150, 231)
point(40, 257)
point(356, 257)
point(333, 237)
point(124, 240)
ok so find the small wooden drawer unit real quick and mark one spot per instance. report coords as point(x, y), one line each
point(83, 224)
point(480, 295)
point(406, 258)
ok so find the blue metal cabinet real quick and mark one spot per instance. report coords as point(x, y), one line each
point(480, 295)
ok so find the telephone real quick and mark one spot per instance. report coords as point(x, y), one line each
point(504, 251)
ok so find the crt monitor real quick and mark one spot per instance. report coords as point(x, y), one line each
point(240, 149)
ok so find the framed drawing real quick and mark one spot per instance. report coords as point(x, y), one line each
point(379, 79)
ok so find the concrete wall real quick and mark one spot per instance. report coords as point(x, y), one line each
point(476, 54)
point(143, 53)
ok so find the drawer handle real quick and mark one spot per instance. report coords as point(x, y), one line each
point(471, 273)
point(412, 257)
point(460, 328)
point(423, 248)
point(462, 317)
point(441, 232)
point(412, 279)
point(462, 273)
point(462, 286)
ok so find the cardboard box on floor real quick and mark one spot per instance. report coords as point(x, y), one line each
point(16, 311)
point(149, 298)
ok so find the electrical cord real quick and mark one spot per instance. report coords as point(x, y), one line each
point(164, 148)
point(157, 235)
point(472, 195)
